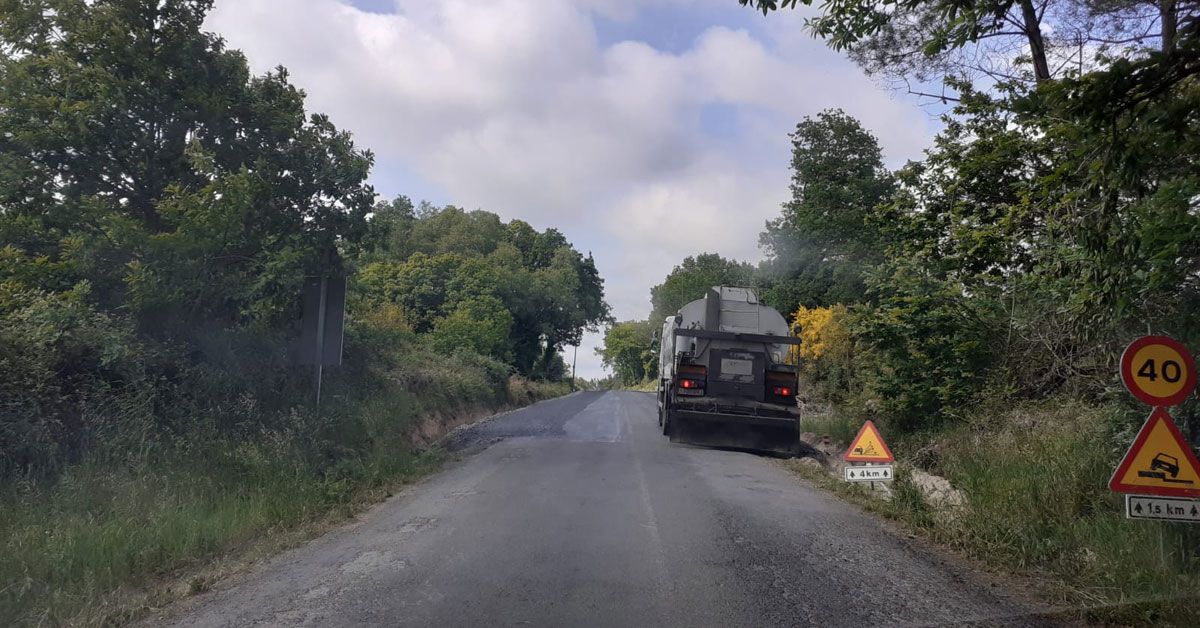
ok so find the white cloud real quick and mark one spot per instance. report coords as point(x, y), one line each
point(514, 106)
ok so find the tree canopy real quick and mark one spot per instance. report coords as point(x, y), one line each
point(629, 350)
point(138, 155)
point(918, 44)
point(161, 208)
point(1054, 216)
point(692, 278)
point(822, 242)
point(443, 263)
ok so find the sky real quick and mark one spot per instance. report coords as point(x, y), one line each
point(644, 130)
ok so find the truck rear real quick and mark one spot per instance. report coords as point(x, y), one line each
point(723, 376)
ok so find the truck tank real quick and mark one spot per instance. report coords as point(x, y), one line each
point(723, 376)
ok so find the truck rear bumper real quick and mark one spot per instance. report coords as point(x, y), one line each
point(790, 422)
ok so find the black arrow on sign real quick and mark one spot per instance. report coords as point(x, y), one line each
point(1193, 511)
point(1138, 509)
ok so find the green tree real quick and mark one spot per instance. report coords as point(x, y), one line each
point(160, 208)
point(925, 42)
point(629, 351)
point(428, 288)
point(453, 230)
point(430, 259)
point(139, 155)
point(820, 245)
point(481, 324)
point(926, 37)
point(389, 230)
point(692, 278)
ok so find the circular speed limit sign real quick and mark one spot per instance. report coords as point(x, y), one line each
point(1158, 370)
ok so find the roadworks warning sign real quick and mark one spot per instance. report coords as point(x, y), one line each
point(868, 446)
point(1160, 462)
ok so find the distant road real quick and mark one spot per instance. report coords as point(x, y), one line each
point(582, 514)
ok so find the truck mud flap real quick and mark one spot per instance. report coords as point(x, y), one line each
point(778, 437)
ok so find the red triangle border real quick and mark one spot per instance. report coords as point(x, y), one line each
point(848, 457)
point(1115, 484)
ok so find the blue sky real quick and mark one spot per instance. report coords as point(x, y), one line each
point(645, 130)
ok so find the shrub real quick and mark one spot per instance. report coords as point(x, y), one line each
point(68, 372)
point(828, 357)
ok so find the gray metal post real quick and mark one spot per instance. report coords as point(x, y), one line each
point(574, 359)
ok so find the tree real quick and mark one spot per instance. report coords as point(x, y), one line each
point(429, 288)
point(429, 260)
point(692, 278)
point(930, 39)
point(139, 155)
point(1001, 40)
point(390, 229)
point(629, 351)
point(453, 230)
point(481, 324)
point(819, 246)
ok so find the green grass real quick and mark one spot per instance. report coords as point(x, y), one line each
point(69, 546)
point(103, 540)
point(839, 426)
point(1035, 479)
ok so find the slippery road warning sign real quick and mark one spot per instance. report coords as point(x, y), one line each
point(868, 446)
point(1158, 371)
point(1159, 462)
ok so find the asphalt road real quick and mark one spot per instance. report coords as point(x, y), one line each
point(582, 514)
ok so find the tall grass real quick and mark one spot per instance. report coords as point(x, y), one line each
point(1037, 502)
point(74, 546)
point(1036, 482)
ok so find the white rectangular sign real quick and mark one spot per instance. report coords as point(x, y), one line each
point(873, 473)
point(1166, 508)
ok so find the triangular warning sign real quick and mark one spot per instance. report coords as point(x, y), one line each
point(1160, 462)
point(868, 446)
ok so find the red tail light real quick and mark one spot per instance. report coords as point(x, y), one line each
point(781, 386)
point(692, 378)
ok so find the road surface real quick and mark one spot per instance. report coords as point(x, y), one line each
point(582, 514)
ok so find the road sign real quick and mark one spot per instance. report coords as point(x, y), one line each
point(323, 311)
point(873, 473)
point(1165, 508)
point(1159, 462)
point(868, 446)
point(1158, 370)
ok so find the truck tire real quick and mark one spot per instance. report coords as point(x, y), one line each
point(664, 416)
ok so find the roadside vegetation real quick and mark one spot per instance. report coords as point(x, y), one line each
point(974, 303)
point(160, 210)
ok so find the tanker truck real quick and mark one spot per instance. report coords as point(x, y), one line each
point(723, 378)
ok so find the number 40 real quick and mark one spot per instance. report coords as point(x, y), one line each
point(1171, 371)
